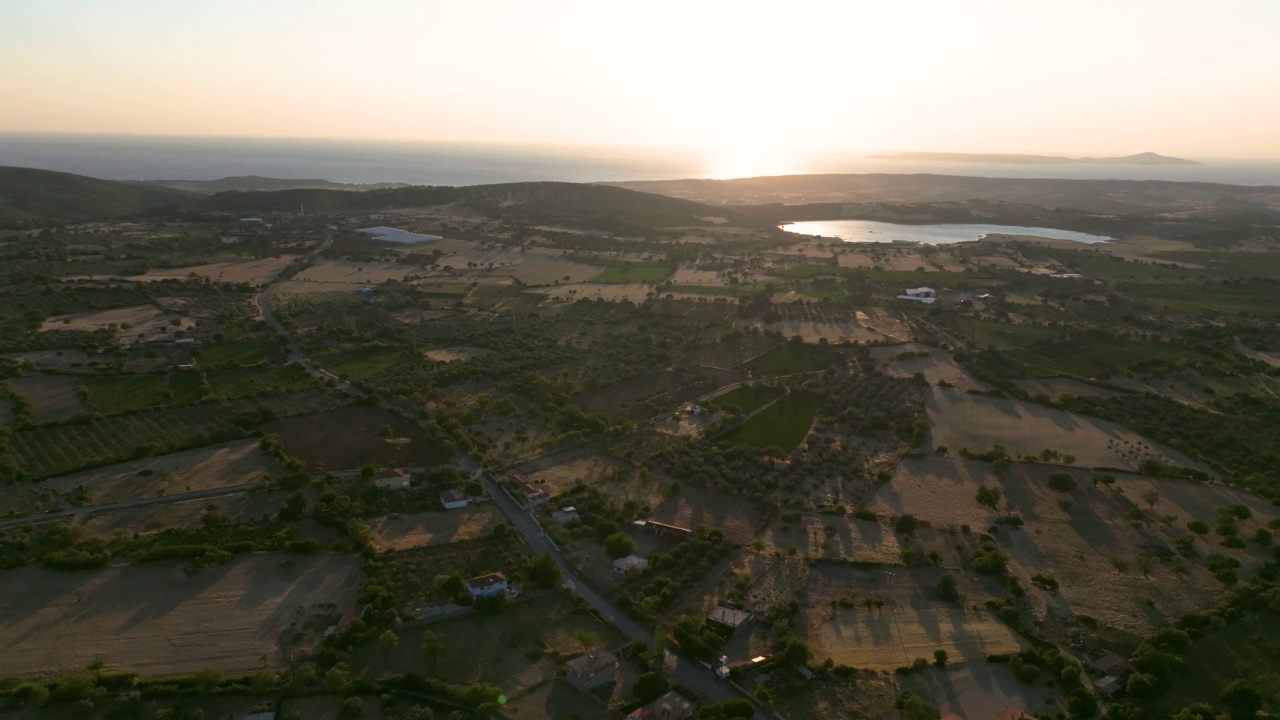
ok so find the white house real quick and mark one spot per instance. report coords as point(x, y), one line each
point(391, 478)
point(921, 295)
point(626, 564)
point(490, 585)
point(453, 499)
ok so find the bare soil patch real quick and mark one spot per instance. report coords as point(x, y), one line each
point(454, 354)
point(254, 271)
point(911, 624)
point(52, 397)
point(402, 532)
point(937, 367)
point(629, 292)
point(357, 272)
point(144, 322)
point(977, 690)
point(417, 315)
point(835, 538)
point(229, 618)
point(348, 438)
point(234, 463)
point(562, 474)
point(961, 420)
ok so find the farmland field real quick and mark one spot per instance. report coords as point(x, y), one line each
point(53, 397)
point(791, 359)
point(235, 383)
point(232, 353)
point(348, 438)
point(110, 394)
point(363, 363)
point(632, 274)
point(731, 353)
point(254, 271)
point(131, 324)
point(233, 463)
point(1092, 356)
point(229, 618)
point(782, 425)
point(747, 399)
point(402, 532)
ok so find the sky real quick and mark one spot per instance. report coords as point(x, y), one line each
point(764, 80)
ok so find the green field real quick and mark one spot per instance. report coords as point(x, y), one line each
point(246, 382)
point(444, 291)
point(701, 290)
point(781, 425)
point(747, 399)
point(364, 364)
point(632, 274)
point(1255, 296)
point(1090, 356)
point(986, 333)
point(238, 353)
point(791, 359)
point(110, 394)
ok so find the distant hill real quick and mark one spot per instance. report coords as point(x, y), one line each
point(26, 193)
point(547, 203)
point(1146, 158)
point(256, 183)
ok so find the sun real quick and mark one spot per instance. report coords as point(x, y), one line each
point(749, 162)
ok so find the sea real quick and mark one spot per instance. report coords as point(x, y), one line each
point(864, 231)
point(130, 157)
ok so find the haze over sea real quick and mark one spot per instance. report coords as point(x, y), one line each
point(119, 157)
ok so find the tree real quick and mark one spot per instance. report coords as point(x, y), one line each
point(1141, 685)
point(619, 545)
point(1198, 527)
point(351, 709)
point(649, 687)
point(386, 433)
point(940, 658)
point(388, 641)
point(585, 638)
point(1062, 482)
point(989, 496)
point(1152, 497)
point(473, 488)
point(1242, 698)
point(432, 644)
point(914, 708)
point(906, 524)
point(544, 571)
point(947, 588)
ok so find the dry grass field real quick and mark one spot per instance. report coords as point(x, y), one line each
point(411, 530)
point(538, 269)
point(352, 271)
point(454, 354)
point(157, 620)
point(1092, 540)
point(348, 438)
point(1054, 388)
point(978, 423)
point(237, 507)
point(254, 271)
point(233, 463)
point(911, 624)
point(978, 690)
point(937, 367)
point(834, 538)
point(52, 397)
point(144, 322)
point(558, 473)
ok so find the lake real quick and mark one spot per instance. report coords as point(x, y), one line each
point(938, 234)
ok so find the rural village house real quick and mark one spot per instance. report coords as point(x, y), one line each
point(391, 478)
point(490, 585)
point(453, 499)
point(592, 669)
point(624, 565)
point(731, 618)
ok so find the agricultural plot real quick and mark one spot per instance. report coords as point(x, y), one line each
point(234, 383)
point(455, 354)
point(747, 399)
point(46, 451)
point(782, 425)
point(227, 464)
point(834, 538)
point(65, 358)
point(1095, 356)
point(1054, 388)
point(539, 270)
point(130, 324)
point(911, 623)
point(557, 473)
point(978, 423)
point(510, 650)
point(110, 394)
point(732, 353)
point(228, 619)
point(629, 273)
point(353, 271)
point(412, 530)
point(349, 438)
point(254, 271)
point(238, 353)
point(978, 690)
point(53, 397)
point(364, 364)
point(636, 397)
point(938, 367)
point(633, 293)
point(793, 359)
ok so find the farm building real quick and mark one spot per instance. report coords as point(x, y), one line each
point(672, 706)
point(731, 618)
point(490, 585)
point(624, 565)
point(660, 529)
point(453, 499)
point(592, 669)
point(920, 295)
point(1112, 664)
point(391, 478)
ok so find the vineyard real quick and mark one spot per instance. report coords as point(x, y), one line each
point(782, 425)
point(732, 353)
point(58, 449)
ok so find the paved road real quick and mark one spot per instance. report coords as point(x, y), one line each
point(689, 674)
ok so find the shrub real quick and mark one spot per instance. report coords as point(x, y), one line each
point(1062, 482)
